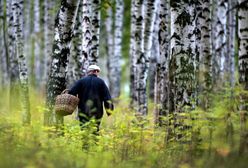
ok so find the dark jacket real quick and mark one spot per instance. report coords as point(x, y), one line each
point(92, 92)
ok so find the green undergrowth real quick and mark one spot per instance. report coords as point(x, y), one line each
point(211, 139)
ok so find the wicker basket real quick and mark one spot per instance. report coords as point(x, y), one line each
point(65, 104)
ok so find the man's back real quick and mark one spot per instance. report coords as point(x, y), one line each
point(92, 92)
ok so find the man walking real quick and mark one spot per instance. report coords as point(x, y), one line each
point(92, 93)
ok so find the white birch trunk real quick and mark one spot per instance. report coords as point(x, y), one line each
point(37, 42)
point(77, 44)
point(133, 57)
point(231, 28)
point(64, 25)
point(243, 43)
point(23, 71)
point(182, 50)
point(243, 71)
point(109, 42)
point(220, 42)
point(11, 45)
point(48, 35)
point(205, 61)
point(94, 53)
point(140, 58)
point(162, 78)
point(87, 36)
point(114, 64)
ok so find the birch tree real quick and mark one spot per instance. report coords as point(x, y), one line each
point(139, 60)
point(23, 71)
point(220, 43)
point(162, 71)
point(77, 44)
point(37, 42)
point(3, 47)
point(48, 29)
point(13, 62)
point(94, 53)
point(74, 66)
point(205, 60)
point(243, 70)
point(231, 32)
point(87, 36)
point(64, 25)
point(109, 41)
point(132, 56)
point(143, 54)
point(182, 63)
point(114, 63)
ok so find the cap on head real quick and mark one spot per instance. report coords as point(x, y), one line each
point(93, 67)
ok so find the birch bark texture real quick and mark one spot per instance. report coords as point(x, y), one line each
point(23, 70)
point(64, 25)
point(87, 36)
point(162, 71)
point(182, 63)
point(132, 56)
point(74, 67)
point(114, 63)
point(243, 72)
point(37, 43)
point(143, 57)
point(139, 58)
point(243, 43)
point(96, 14)
point(205, 59)
point(232, 29)
point(13, 67)
point(220, 42)
point(48, 36)
point(110, 42)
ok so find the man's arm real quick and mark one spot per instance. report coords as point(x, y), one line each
point(107, 100)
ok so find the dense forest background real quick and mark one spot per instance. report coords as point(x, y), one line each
point(177, 72)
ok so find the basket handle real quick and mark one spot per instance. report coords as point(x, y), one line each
point(64, 91)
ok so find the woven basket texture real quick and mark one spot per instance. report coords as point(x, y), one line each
point(65, 104)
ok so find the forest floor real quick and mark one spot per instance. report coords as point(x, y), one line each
point(212, 140)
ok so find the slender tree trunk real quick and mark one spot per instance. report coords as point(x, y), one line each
point(77, 44)
point(37, 48)
point(87, 36)
point(23, 75)
point(48, 29)
point(133, 57)
point(114, 63)
point(220, 42)
point(28, 30)
point(13, 62)
point(243, 71)
point(139, 55)
point(144, 56)
point(94, 53)
point(110, 43)
point(154, 56)
point(64, 25)
point(230, 66)
point(182, 61)
point(3, 47)
point(162, 78)
point(205, 67)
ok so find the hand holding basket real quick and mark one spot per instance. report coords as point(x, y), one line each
point(65, 104)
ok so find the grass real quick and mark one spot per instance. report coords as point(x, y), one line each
point(213, 139)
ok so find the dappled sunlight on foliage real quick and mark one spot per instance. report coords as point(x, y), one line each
point(206, 139)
